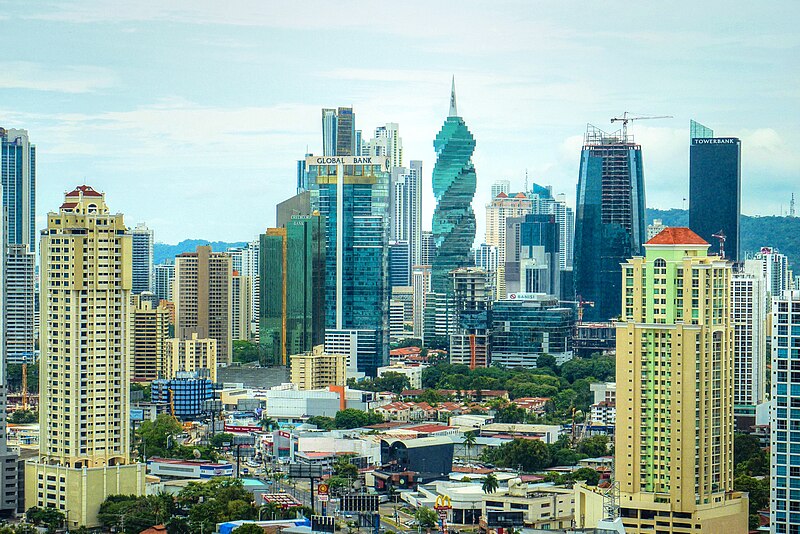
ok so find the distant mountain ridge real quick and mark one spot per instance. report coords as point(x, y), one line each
point(782, 233)
point(162, 251)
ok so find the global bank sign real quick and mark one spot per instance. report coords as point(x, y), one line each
point(383, 161)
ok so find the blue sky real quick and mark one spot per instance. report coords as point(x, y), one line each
point(190, 115)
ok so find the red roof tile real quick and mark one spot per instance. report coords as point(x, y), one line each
point(676, 236)
point(86, 190)
point(501, 195)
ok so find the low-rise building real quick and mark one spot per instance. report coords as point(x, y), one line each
point(318, 369)
point(543, 506)
point(412, 371)
point(295, 405)
point(184, 394)
point(546, 433)
point(172, 468)
point(191, 355)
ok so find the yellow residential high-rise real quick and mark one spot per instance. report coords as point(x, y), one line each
point(318, 369)
point(674, 431)
point(84, 417)
point(191, 355)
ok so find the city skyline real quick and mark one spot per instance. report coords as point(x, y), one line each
point(129, 115)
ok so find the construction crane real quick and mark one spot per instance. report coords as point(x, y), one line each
point(626, 117)
point(581, 304)
point(24, 386)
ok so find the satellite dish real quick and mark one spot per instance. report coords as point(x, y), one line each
point(196, 453)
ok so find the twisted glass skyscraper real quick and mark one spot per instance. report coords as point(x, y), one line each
point(453, 186)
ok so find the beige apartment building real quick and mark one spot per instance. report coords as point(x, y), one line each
point(85, 362)
point(241, 307)
point(675, 384)
point(149, 333)
point(503, 207)
point(191, 355)
point(318, 369)
point(202, 294)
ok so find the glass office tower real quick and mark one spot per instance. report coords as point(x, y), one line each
point(609, 222)
point(352, 193)
point(715, 188)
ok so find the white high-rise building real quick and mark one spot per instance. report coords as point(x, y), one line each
point(421, 284)
point(406, 208)
point(749, 316)
point(503, 207)
point(250, 269)
point(19, 306)
point(163, 277)
point(501, 186)
point(387, 142)
point(655, 228)
point(565, 217)
point(142, 274)
point(428, 248)
point(775, 268)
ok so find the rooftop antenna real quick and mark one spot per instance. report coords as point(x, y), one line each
point(721, 236)
point(791, 207)
point(526, 183)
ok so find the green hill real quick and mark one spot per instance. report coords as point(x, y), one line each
point(782, 233)
point(162, 251)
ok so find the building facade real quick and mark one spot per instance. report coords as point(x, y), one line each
point(18, 177)
point(785, 421)
point(185, 394)
point(471, 303)
point(241, 307)
point(498, 211)
point(149, 335)
point(715, 188)
point(609, 219)
point(85, 287)
point(164, 277)
point(318, 369)
point(406, 208)
point(674, 390)
point(774, 267)
point(749, 319)
point(202, 293)
point(142, 258)
point(527, 325)
point(533, 259)
point(20, 305)
point(352, 194)
point(292, 278)
point(192, 355)
point(454, 182)
point(421, 284)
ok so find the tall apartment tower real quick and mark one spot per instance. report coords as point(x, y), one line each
point(338, 132)
point(9, 459)
point(471, 302)
point(18, 177)
point(749, 318)
point(240, 306)
point(19, 305)
point(774, 267)
point(163, 280)
point(202, 294)
point(784, 439)
point(421, 284)
point(387, 142)
point(609, 218)
point(498, 211)
point(675, 384)
point(715, 188)
point(84, 439)
point(454, 182)
point(406, 208)
point(250, 259)
point(352, 194)
point(142, 258)
point(191, 355)
point(149, 336)
point(428, 248)
point(292, 277)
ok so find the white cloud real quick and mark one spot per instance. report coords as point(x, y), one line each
point(66, 79)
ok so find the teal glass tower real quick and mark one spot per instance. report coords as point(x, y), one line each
point(454, 183)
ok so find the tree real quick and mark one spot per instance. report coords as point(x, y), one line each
point(343, 468)
point(528, 454)
point(426, 517)
point(140, 513)
point(587, 474)
point(353, 418)
point(268, 423)
point(322, 422)
point(594, 446)
point(469, 442)
point(248, 528)
point(546, 360)
point(490, 483)
point(219, 440)
point(510, 413)
point(246, 352)
point(21, 417)
point(49, 517)
point(758, 490)
point(156, 435)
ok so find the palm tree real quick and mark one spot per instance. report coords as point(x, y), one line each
point(469, 442)
point(490, 483)
point(268, 423)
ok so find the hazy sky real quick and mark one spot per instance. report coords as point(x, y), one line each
point(190, 115)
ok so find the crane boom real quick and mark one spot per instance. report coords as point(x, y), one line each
point(627, 116)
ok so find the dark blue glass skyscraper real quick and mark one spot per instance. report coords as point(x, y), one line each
point(454, 183)
point(609, 221)
point(18, 172)
point(352, 192)
point(715, 188)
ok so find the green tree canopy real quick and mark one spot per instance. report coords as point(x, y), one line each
point(353, 418)
point(426, 517)
point(248, 528)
